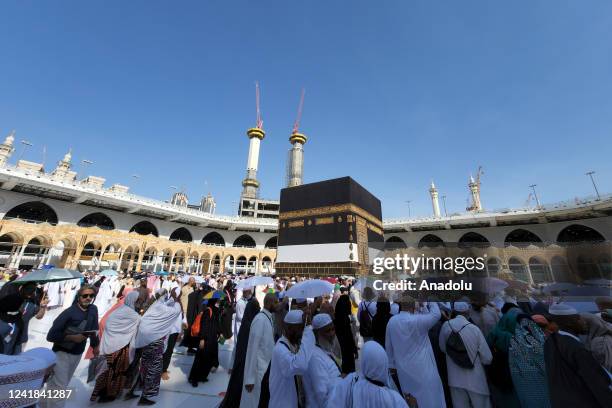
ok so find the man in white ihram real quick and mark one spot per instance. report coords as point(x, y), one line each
point(410, 353)
point(468, 386)
point(259, 353)
point(290, 362)
point(324, 366)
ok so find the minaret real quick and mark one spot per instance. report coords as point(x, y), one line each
point(62, 171)
point(475, 192)
point(6, 148)
point(250, 184)
point(433, 192)
point(295, 165)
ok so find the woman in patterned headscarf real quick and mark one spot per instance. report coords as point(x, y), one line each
point(117, 346)
point(526, 359)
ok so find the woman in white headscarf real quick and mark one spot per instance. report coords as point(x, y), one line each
point(370, 388)
point(117, 345)
point(155, 326)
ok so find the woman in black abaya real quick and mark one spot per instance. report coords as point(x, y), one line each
point(342, 324)
point(207, 355)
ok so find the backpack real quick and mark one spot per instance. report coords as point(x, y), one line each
point(365, 321)
point(195, 327)
point(455, 349)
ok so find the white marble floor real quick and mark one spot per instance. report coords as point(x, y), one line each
point(176, 392)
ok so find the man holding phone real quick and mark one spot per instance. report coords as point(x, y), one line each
point(69, 335)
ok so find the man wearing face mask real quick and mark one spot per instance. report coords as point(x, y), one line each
point(69, 335)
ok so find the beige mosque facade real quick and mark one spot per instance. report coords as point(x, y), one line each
point(51, 217)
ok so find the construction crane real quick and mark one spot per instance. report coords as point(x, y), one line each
point(472, 205)
point(296, 125)
point(259, 124)
point(479, 173)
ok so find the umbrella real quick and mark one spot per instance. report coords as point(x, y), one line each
point(217, 294)
point(161, 273)
point(310, 289)
point(198, 279)
point(255, 281)
point(48, 275)
point(108, 273)
point(47, 266)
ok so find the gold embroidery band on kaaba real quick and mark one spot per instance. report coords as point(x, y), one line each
point(296, 223)
point(324, 220)
point(332, 209)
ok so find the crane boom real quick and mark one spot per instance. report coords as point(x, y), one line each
point(259, 123)
point(296, 125)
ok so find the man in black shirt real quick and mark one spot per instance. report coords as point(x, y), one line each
point(69, 335)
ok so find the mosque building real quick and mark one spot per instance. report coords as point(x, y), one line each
point(53, 217)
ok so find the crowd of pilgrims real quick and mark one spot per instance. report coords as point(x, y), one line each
point(500, 350)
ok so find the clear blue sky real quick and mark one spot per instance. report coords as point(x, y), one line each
point(397, 93)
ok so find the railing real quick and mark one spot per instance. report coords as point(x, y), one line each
point(134, 199)
point(567, 204)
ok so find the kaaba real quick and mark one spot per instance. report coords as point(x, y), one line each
point(329, 228)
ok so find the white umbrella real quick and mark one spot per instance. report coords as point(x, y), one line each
point(255, 281)
point(310, 289)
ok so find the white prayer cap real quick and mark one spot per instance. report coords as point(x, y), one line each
point(293, 317)
point(321, 320)
point(461, 307)
point(561, 309)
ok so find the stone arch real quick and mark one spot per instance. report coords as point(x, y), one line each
point(395, 242)
point(518, 269)
point(244, 241)
point(130, 258)
point(473, 239)
point(577, 233)
point(241, 264)
point(91, 249)
point(206, 263)
point(213, 238)
point(494, 266)
point(272, 243)
point(539, 269)
point(229, 263)
point(252, 264)
point(97, 219)
point(179, 260)
point(560, 269)
point(587, 268)
point(166, 259)
point(521, 238)
point(145, 228)
point(216, 263)
point(181, 234)
point(431, 240)
point(35, 211)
